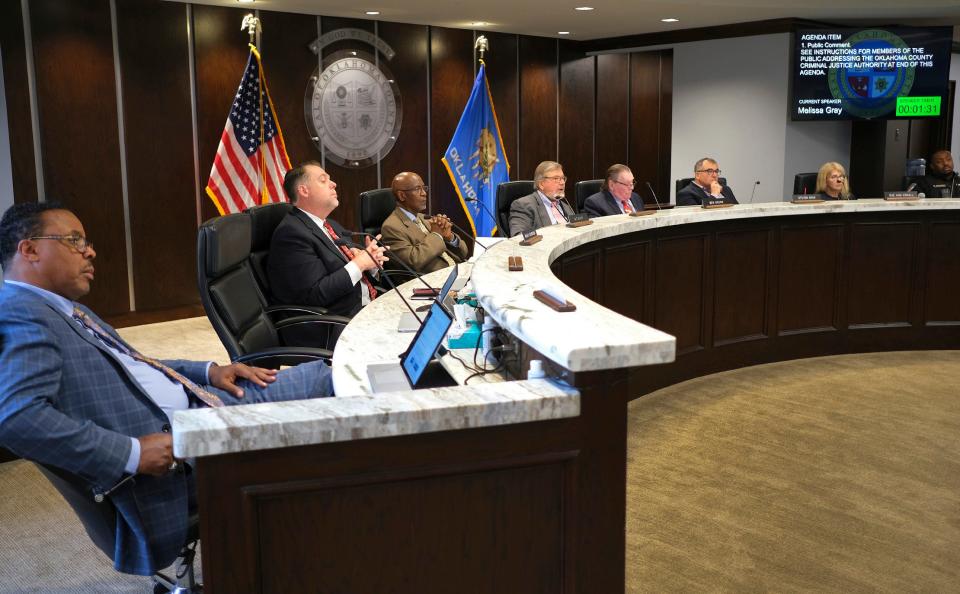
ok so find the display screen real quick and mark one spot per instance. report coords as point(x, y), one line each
point(870, 73)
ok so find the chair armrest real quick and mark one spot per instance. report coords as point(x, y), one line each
point(274, 311)
point(273, 358)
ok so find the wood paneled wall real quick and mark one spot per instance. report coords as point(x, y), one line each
point(552, 101)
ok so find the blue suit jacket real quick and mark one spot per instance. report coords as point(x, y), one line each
point(66, 402)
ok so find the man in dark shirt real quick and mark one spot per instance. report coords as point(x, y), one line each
point(705, 185)
point(941, 181)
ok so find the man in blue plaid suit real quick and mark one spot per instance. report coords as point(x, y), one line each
point(75, 397)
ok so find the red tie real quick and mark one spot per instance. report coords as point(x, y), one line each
point(349, 255)
point(627, 207)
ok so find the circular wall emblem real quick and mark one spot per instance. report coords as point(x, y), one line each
point(353, 109)
point(871, 91)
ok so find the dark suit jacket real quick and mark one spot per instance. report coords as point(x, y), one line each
point(693, 194)
point(306, 268)
point(935, 187)
point(603, 204)
point(529, 214)
point(418, 250)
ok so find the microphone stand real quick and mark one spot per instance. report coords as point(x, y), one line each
point(654, 194)
point(397, 260)
point(427, 217)
point(755, 184)
point(484, 208)
point(349, 244)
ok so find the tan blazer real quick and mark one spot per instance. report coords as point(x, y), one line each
point(418, 250)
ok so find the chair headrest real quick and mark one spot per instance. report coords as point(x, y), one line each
point(227, 242)
point(376, 206)
point(263, 221)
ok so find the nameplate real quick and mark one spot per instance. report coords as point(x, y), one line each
point(719, 203)
point(806, 199)
point(514, 263)
point(579, 220)
point(901, 196)
point(530, 238)
point(643, 213)
point(553, 303)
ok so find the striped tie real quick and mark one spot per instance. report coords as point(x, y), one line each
point(206, 397)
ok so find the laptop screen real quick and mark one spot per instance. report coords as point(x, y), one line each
point(447, 284)
point(426, 342)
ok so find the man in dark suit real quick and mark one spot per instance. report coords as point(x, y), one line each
point(423, 244)
point(78, 399)
point(616, 195)
point(705, 185)
point(941, 181)
point(546, 206)
point(311, 261)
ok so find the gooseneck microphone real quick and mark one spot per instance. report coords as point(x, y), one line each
point(911, 187)
point(562, 196)
point(483, 207)
point(654, 194)
point(350, 244)
point(428, 216)
point(397, 260)
point(755, 184)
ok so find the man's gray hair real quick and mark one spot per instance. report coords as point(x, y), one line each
point(699, 164)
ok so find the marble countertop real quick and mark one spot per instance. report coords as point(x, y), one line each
point(593, 337)
point(230, 429)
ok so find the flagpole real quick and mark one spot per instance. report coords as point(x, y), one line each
point(252, 24)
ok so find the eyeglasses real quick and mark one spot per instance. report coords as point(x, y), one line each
point(77, 242)
point(417, 189)
point(838, 177)
point(709, 171)
point(557, 178)
point(632, 184)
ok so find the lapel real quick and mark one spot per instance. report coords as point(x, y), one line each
point(319, 234)
point(92, 340)
point(612, 203)
point(542, 214)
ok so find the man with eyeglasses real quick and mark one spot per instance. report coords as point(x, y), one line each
point(616, 196)
point(312, 260)
point(421, 243)
point(546, 206)
point(77, 398)
point(705, 185)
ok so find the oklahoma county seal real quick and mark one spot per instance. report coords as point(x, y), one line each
point(354, 110)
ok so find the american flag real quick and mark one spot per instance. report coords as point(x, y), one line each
point(251, 159)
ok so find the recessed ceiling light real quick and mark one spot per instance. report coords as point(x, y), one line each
point(584, 8)
point(373, 12)
point(245, 1)
point(563, 32)
point(670, 20)
point(479, 24)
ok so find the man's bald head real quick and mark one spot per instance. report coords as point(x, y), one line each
point(409, 191)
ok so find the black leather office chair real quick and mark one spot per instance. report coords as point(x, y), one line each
point(682, 183)
point(100, 522)
point(375, 207)
point(584, 189)
point(805, 183)
point(263, 221)
point(507, 192)
point(250, 330)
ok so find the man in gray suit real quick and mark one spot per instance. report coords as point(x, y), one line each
point(78, 399)
point(546, 205)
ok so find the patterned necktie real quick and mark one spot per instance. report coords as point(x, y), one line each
point(349, 256)
point(557, 213)
point(443, 255)
point(627, 207)
point(205, 396)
